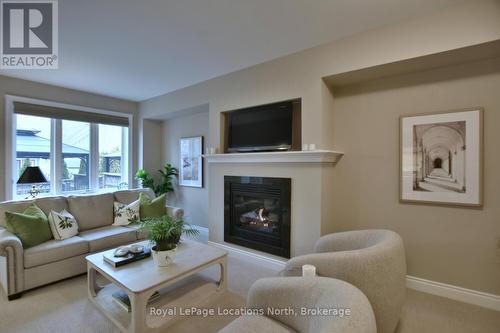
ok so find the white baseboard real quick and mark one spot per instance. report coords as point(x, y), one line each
point(275, 264)
point(486, 300)
point(203, 230)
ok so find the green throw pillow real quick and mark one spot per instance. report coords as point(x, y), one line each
point(152, 207)
point(31, 226)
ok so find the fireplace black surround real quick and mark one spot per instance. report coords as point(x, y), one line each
point(257, 213)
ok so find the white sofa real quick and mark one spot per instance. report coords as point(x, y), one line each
point(24, 269)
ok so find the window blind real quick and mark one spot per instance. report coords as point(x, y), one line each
point(69, 114)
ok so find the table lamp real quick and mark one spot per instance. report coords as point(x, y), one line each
point(32, 175)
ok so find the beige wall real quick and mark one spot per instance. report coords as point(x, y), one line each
point(299, 75)
point(193, 200)
point(446, 244)
point(434, 250)
point(153, 144)
point(11, 86)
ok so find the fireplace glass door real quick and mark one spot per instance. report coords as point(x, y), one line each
point(257, 213)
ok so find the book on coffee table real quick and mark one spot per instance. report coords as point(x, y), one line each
point(121, 298)
point(130, 257)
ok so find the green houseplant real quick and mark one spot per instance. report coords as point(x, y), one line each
point(166, 179)
point(165, 233)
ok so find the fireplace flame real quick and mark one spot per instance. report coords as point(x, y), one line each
point(258, 217)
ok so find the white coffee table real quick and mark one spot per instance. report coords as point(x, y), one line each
point(142, 278)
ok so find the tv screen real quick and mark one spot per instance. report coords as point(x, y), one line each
point(261, 128)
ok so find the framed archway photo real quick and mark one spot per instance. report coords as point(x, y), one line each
point(441, 158)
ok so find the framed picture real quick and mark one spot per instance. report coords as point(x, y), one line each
point(441, 158)
point(191, 164)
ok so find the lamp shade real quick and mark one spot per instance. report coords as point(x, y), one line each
point(32, 175)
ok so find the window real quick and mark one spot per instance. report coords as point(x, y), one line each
point(33, 148)
point(75, 156)
point(112, 169)
point(87, 152)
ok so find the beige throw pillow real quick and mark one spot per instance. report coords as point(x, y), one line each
point(126, 214)
point(63, 225)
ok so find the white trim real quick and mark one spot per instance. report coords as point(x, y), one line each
point(29, 100)
point(94, 158)
point(479, 298)
point(315, 156)
point(10, 143)
point(56, 160)
point(469, 296)
point(275, 264)
point(203, 230)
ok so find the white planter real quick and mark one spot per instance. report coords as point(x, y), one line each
point(163, 258)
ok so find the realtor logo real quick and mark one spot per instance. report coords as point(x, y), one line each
point(29, 36)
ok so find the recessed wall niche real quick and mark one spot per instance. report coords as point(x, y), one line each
point(294, 109)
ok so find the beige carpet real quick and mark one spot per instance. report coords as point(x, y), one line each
point(63, 307)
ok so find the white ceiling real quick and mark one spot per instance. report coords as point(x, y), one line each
point(137, 49)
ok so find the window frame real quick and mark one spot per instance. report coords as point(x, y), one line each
point(56, 142)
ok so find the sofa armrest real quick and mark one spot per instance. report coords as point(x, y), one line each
point(11, 262)
point(175, 211)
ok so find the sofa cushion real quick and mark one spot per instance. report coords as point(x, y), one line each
point(108, 237)
point(92, 211)
point(129, 196)
point(255, 324)
point(55, 250)
point(31, 226)
point(137, 227)
point(49, 204)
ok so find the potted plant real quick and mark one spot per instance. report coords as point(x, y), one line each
point(165, 233)
point(165, 180)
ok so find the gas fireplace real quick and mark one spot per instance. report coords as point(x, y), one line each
point(257, 213)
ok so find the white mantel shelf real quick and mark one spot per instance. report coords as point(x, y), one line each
point(316, 156)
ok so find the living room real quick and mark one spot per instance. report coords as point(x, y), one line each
point(250, 166)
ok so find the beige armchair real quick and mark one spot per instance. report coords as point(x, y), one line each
point(270, 295)
point(372, 260)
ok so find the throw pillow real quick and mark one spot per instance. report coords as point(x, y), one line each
point(152, 207)
point(126, 214)
point(31, 226)
point(63, 225)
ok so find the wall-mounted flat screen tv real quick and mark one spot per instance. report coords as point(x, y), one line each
point(261, 128)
